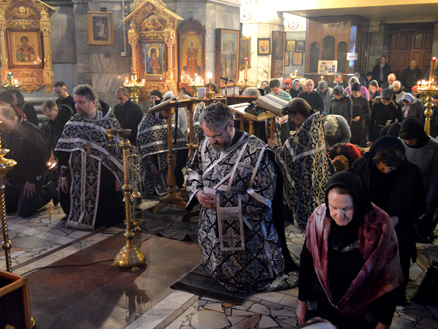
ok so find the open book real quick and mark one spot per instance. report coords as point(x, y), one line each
point(272, 103)
point(241, 109)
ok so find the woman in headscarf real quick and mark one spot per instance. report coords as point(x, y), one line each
point(28, 109)
point(263, 88)
point(423, 150)
point(411, 106)
point(296, 88)
point(340, 104)
point(395, 186)
point(360, 116)
point(349, 265)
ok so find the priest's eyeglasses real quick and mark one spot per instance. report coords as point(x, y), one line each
point(217, 137)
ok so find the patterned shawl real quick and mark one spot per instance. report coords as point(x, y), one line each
point(381, 271)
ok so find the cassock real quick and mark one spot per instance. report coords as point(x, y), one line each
point(94, 165)
point(238, 239)
point(153, 150)
point(129, 116)
point(306, 168)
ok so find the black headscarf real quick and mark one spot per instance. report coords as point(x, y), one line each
point(158, 94)
point(350, 179)
point(415, 128)
point(383, 142)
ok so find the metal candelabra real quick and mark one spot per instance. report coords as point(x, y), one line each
point(129, 255)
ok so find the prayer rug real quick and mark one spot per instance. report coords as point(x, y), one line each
point(199, 282)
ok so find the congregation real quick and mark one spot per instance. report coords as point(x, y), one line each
point(362, 209)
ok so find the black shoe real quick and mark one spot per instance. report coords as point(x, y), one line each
point(53, 192)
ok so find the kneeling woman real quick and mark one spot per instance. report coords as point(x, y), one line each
point(349, 263)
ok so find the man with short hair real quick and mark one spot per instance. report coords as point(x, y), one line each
point(91, 166)
point(233, 176)
point(128, 113)
point(381, 71)
point(63, 97)
point(337, 80)
point(24, 189)
point(277, 91)
point(390, 80)
point(411, 75)
point(325, 91)
point(312, 97)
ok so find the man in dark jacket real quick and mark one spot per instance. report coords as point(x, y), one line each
point(64, 98)
point(57, 117)
point(24, 189)
point(381, 71)
point(312, 97)
point(128, 113)
point(410, 76)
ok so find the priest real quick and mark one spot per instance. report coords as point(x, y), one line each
point(91, 168)
point(232, 175)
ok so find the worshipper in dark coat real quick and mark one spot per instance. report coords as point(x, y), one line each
point(156, 97)
point(396, 186)
point(312, 97)
point(24, 190)
point(128, 113)
point(381, 71)
point(263, 88)
point(423, 150)
point(7, 100)
point(53, 126)
point(349, 266)
point(383, 112)
point(28, 109)
point(64, 98)
point(361, 115)
point(410, 76)
point(296, 88)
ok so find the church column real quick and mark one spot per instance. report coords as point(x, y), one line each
point(170, 39)
point(48, 72)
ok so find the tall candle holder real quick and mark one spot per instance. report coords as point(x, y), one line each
point(245, 84)
point(11, 83)
point(129, 255)
point(5, 166)
point(429, 89)
point(134, 86)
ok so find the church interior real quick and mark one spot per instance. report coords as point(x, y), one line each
point(134, 274)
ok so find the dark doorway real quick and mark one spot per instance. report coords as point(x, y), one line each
point(410, 43)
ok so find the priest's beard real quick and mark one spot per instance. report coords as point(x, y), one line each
point(222, 145)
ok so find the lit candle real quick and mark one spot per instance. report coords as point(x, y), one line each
point(246, 69)
point(15, 82)
point(209, 75)
point(432, 69)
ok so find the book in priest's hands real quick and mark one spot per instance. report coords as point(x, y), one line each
point(272, 103)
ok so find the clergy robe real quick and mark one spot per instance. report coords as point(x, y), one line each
point(306, 168)
point(238, 239)
point(153, 150)
point(94, 166)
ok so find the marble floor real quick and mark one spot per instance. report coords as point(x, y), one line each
point(43, 240)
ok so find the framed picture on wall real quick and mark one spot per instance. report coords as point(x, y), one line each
point(25, 48)
point(290, 45)
point(300, 46)
point(278, 52)
point(153, 56)
point(297, 58)
point(227, 54)
point(191, 49)
point(287, 58)
point(245, 52)
point(100, 28)
point(263, 46)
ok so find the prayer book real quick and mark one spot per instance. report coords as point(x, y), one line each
point(241, 109)
point(272, 103)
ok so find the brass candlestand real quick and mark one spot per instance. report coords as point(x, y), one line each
point(245, 84)
point(429, 89)
point(134, 87)
point(5, 166)
point(11, 83)
point(129, 255)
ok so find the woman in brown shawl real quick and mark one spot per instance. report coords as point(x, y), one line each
point(349, 263)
